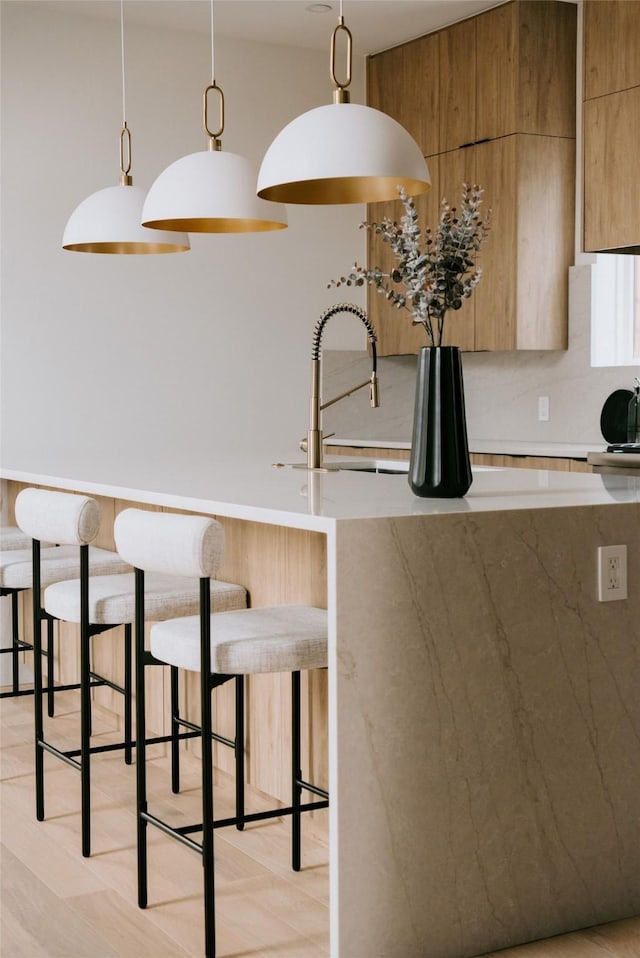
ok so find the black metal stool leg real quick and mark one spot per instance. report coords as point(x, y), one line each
point(128, 730)
point(175, 731)
point(85, 702)
point(296, 772)
point(207, 770)
point(50, 666)
point(239, 752)
point(37, 682)
point(141, 767)
point(15, 643)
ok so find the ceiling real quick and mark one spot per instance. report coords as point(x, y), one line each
point(375, 24)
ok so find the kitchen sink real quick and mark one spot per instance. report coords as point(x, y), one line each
point(389, 467)
point(382, 467)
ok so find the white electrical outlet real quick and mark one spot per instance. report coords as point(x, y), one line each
point(612, 573)
point(543, 409)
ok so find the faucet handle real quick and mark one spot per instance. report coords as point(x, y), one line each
point(303, 444)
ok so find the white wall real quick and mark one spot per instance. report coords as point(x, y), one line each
point(185, 356)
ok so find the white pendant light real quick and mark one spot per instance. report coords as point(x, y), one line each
point(342, 152)
point(210, 191)
point(109, 221)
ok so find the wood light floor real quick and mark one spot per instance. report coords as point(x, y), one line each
point(55, 903)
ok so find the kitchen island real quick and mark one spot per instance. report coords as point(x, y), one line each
point(484, 717)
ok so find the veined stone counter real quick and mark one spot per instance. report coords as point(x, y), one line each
point(484, 729)
point(279, 494)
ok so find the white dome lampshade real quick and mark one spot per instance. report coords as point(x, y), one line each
point(210, 192)
point(342, 153)
point(109, 221)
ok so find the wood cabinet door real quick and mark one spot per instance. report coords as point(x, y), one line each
point(611, 181)
point(497, 60)
point(611, 46)
point(405, 83)
point(546, 239)
point(522, 299)
point(457, 85)
point(458, 167)
point(546, 69)
point(495, 295)
point(526, 64)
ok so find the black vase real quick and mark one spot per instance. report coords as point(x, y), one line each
point(440, 466)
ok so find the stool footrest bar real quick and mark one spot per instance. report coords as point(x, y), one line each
point(315, 789)
point(100, 680)
point(174, 832)
point(64, 756)
point(132, 744)
point(181, 832)
point(214, 735)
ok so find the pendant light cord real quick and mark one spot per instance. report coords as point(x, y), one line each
point(125, 134)
point(124, 86)
point(213, 70)
point(214, 135)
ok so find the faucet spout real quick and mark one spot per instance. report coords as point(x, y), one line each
point(314, 434)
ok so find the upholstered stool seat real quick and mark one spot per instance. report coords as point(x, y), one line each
point(112, 598)
point(11, 537)
point(285, 638)
point(220, 646)
point(57, 563)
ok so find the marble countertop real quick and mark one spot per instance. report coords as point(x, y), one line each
point(256, 489)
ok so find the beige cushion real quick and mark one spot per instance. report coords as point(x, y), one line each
point(13, 538)
point(166, 542)
point(57, 516)
point(56, 564)
point(283, 638)
point(112, 598)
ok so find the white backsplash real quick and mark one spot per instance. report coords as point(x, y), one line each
point(501, 389)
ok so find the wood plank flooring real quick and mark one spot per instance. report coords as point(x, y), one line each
point(55, 903)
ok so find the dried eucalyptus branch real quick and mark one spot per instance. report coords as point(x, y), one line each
point(437, 272)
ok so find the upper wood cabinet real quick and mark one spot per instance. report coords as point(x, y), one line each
point(526, 63)
point(404, 82)
point(509, 70)
point(611, 46)
point(611, 126)
point(506, 120)
point(458, 80)
point(611, 183)
point(522, 300)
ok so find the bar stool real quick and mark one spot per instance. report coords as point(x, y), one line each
point(16, 576)
point(13, 539)
point(100, 602)
point(112, 604)
point(219, 646)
